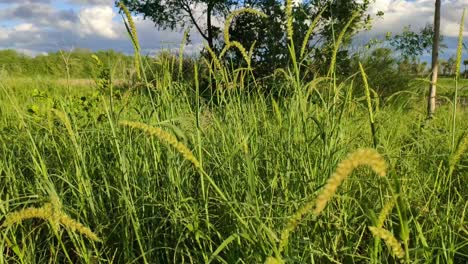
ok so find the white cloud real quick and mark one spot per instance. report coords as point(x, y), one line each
point(4, 32)
point(26, 27)
point(97, 20)
point(417, 13)
point(91, 2)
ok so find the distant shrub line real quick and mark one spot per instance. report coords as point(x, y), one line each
point(15, 64)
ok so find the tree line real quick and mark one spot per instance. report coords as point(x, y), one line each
point(76, 63)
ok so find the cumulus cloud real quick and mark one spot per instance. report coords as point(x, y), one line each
point(37, 26)
point(90, 2)
point(97, 20)
point(417, 13)
point(40, 14)
point(23, 1)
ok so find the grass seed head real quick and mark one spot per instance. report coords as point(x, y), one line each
point(272, 260)
point(460, 46)
point(75, 226)
point(390, 240)
point(166, 138)
point(386, 210)
point(44, 213)
point(290, 29)
point(368, 157)
point(49, 212)
point(456, 156)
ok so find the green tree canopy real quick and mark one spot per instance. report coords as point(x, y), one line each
point(412, 44)
point(173, 14)
point(268, 33)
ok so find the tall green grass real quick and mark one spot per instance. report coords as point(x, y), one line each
point(192, 180)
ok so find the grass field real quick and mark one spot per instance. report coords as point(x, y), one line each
point(163, 171)
point(258, 160)
point(447, 87)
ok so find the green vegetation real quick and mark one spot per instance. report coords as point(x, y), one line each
point(198, 161)
point(56, 64)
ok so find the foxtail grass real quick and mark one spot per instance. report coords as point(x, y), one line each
point(367, 157)
point(390, 240)
point(456, 156)
point(181, 54)
point(166, 138)
point(339, 41)
point(457, 76)
point(305, 42)
point(369, 104)
point(289, 17)
point(53, 213)
point(227, 41)
point(385, 212)
point(132, 32)
point(187, 154)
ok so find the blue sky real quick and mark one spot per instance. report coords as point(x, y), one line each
point(39, 26)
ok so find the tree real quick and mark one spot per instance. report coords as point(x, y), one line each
point(451, 66)
point(271, 45)
point(412, 44)
point(172, 14)
point(269, 33)
point(443, 67)
point(431, 105)
point(383, 70)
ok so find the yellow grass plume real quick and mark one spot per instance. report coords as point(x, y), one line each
point(53, 213)
point(390, 240)
point(368, 157)
point(460, 45)
point(456, 156)
point(272, 260)
point(289, 26)
point(166, 138)
point(215, 58)
point(237, 44)
point(386, 210)
point(75, 226)
point(131, 29)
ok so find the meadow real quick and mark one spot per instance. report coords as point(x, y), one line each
point(153, 170)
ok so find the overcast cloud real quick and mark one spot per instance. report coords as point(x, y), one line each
point(38, 26)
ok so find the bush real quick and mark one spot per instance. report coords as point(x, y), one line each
point(384, 75)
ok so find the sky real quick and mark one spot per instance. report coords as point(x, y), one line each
point(39, 26)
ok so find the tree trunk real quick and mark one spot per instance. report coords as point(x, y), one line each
point(209, 27)
point(435, 64)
